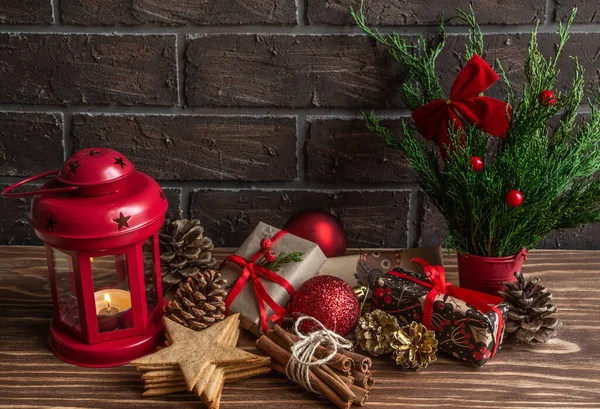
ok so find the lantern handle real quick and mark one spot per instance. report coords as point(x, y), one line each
point(42, 192)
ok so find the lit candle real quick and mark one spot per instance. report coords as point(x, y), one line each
point(112, 301)
point(108, 310)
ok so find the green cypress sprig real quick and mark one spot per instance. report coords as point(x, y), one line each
point(283, 259)
point(555, 169)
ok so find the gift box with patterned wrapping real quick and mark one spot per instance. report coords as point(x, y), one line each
point(468, 325)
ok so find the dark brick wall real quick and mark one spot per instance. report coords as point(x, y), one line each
point(248, 110)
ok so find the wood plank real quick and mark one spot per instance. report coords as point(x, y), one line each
point(562, 374)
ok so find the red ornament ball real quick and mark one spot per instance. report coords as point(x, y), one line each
point(330, 300)
point(514, 198)
point(476, 164)
point(321, 228)
point(547, 98)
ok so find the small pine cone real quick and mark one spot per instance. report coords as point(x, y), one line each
point(529, 309)
point(184, 250)
point(414, 346)
point(199, 301)
point(375, 332)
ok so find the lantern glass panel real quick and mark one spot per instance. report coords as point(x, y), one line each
point(64, 275)
point(150, 274)
point(111, 292)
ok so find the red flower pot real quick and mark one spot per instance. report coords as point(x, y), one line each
point(486, 274)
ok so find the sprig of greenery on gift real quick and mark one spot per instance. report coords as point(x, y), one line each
point(554, 170)
point(283, 259)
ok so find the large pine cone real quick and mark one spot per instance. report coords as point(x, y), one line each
point(528, 316)
point(184, 250)
point(198, 302)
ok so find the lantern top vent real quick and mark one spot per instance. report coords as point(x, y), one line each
point(94, 166)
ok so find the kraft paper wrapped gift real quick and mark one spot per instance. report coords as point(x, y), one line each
point(296, 273)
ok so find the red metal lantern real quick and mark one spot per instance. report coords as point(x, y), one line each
point(99, 220)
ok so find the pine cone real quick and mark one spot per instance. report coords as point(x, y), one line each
point(184, 251)
point(375, 332)
point(414, 346)
point(529, 309)
point(198, 302)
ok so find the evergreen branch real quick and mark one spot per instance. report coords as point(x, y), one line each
point(283, 259)
point(475, 44)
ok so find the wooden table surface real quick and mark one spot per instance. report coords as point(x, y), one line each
point(562, 374)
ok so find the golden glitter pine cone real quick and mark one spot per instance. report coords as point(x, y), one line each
point(199, 301)
point(414, 346)
point(184, 250)
point(375, 332)
point(529, 309)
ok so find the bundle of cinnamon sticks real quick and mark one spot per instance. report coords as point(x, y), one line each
point(345, 380)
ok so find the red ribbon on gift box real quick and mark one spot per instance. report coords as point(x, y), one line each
point(484, 303)
point(488, 114)
point(253, 271)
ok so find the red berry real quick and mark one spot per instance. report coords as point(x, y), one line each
point(476, 356)
point(387, 299)
point(447, 322)
point(440, 306)
point(462, 331)
point(471, 347)
point(388, 290)
point(547, 98)
point(476, 164)
point(514, 198)
point(417, 316)
point(467, 336)
point(482, 349)
point(270, 256)
point(461, 325)
point(379, 292)
point(266, 244)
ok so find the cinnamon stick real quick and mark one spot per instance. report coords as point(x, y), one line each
point(364, 380)
point(361, 395)
point(339, 361)
point(282, 356)
point(361, 363)
point(322, 371)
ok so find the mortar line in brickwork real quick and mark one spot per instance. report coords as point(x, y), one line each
point(413, 228)
point(301, 125)
point(67, 139)
point(301, 15)
point(289, 186)
point(285, 30)
point(55, 12)
point(180, 63)
point(224, 111)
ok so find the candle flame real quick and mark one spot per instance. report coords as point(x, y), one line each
point(107, 300)
point(91, 259)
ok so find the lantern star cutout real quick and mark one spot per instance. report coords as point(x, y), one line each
point(162, 195)
point(94, 152)
point(195, 351)
point(122, 221)
point(50, 222)
point(120, 162)
point(74, 166)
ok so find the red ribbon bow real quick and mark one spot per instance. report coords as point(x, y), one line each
point(253, 271)
point(489, 114)
point(484, 303)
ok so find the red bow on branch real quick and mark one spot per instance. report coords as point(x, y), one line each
point(437, 284)
point(489, 114)
point(253, 271)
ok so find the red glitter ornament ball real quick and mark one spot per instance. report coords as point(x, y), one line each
point(514, 198)
point(476, 164)
point(547, 98)
point(321, 228)
point(330, 300)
